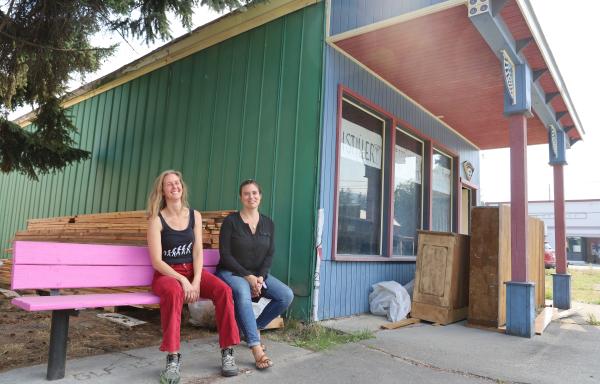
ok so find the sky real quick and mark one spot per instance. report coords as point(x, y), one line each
point(572, 30)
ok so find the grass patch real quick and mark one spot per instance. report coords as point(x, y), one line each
point(583, 284)
point(592, 320)
point(314, 336)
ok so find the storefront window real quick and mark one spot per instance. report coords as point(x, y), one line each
point(360, 182)
point(441, 191)
point(408, 172)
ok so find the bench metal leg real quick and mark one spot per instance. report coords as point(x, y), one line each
point(57, 352)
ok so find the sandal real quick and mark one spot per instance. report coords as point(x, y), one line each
point(263, 362)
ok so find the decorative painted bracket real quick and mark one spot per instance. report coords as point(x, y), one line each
point(557, 144)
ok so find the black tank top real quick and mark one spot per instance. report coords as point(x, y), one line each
point(177, 245)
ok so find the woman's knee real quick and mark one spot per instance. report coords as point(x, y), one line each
point(286, 296)
point(171, 291)
point(289, 296)
point(223, 290)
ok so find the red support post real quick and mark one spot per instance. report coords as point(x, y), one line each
point(560, 246)
point(518, 196)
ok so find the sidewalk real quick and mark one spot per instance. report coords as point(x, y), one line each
point(566, 352)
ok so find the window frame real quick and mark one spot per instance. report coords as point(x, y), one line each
point(344, 95)
point(453, 188)
point(424, 162)
point(392, 124)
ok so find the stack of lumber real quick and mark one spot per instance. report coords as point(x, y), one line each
point(5, 273)
point(110, 228)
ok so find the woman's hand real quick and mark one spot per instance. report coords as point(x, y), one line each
point(191, 292)
point(255, 284)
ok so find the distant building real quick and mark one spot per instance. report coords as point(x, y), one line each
point(582, 218)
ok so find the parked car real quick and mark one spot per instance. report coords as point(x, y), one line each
point(549, 256)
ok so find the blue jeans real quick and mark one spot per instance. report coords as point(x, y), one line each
point(280, 294)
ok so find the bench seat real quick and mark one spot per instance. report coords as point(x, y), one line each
point(51, 303)
point(55, 265)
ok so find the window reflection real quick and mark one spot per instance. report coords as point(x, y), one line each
point(408, 171)
point(441, 192)
point(360, 182)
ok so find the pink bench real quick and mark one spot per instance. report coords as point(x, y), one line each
point(48, 265)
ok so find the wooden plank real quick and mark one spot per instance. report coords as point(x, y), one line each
point(486, 328)
point(47, 303)
point(52, 253)
point(276, 323)
point(504, 260)
point(543, 319)
point(401, 323)
point(484, 274)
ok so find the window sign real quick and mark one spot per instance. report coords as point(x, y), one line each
point(361, 145)
point(360, 182)
point(408, 199)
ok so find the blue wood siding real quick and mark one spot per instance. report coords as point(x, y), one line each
point(350, 14)
point(345, 285)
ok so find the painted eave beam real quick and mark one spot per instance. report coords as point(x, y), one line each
point(540, 39)
point(498, 37)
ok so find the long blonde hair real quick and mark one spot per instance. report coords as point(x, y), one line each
point(156, 200)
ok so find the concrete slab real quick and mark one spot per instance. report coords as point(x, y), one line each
point(561, 354)
point(420, 353)
point(201, 364)
point(357, 323)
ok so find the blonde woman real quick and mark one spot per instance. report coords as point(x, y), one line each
point(175, 246)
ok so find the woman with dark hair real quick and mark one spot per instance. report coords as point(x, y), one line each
point(175, 246)
point(247, 246)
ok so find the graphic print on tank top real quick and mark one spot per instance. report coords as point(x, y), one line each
point(182, 250)
point(177, 246)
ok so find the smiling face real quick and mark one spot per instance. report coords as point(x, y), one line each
point(250, 196)
point(172, 187)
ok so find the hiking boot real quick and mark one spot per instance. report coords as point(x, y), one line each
point(228, 367)
point(170, 375)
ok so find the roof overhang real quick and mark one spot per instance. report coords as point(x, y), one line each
point(449, 64)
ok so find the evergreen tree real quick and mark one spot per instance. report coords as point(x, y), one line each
point(43, 43)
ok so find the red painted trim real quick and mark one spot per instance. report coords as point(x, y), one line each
point(430, 202)
point(383, 259)
point(549, 201)
point(458, 192)
point(560, 237)
point(518, 196)
point(342, 90)
point(468, 184)
point(390, 247)
point(404, 125)
point(398, 122)
point(368, 103)
point(337, 172)
point(434, 143)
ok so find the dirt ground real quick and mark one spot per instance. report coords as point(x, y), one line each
point(24, 336)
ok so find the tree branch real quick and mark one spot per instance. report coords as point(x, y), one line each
point(32, 44)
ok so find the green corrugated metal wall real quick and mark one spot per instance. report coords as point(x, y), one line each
point(246, 108)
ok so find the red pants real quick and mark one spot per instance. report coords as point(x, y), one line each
point(171, 302)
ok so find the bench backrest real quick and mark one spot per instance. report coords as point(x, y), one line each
point(50, 265)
